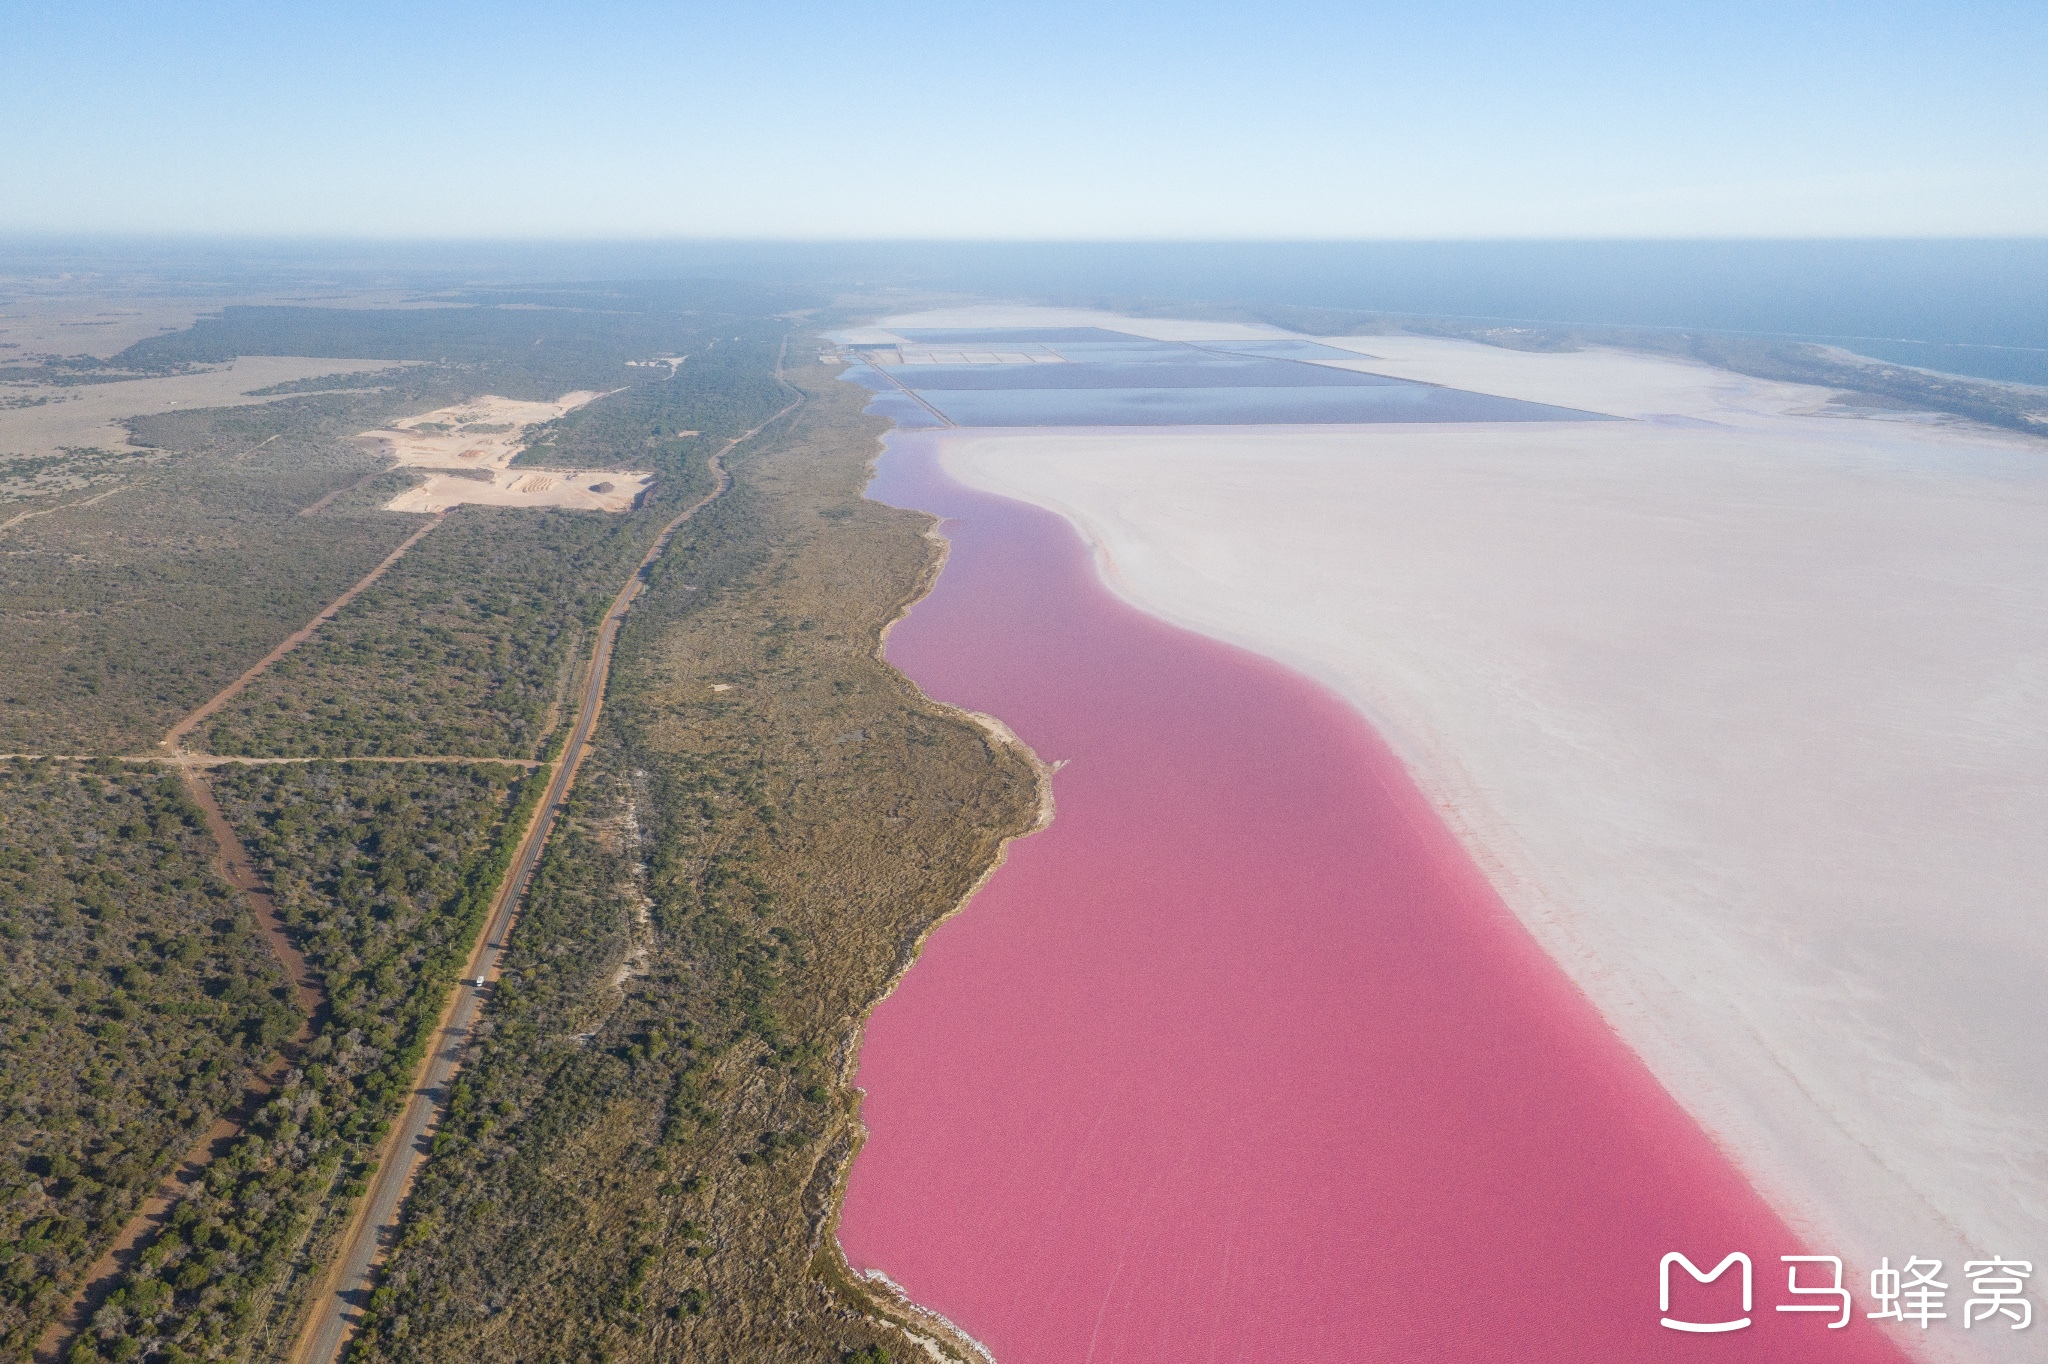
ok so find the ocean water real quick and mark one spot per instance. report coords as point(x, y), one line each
point(1977, 307)
point(2010, 364)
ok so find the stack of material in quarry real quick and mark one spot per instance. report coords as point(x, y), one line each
point(600, 487)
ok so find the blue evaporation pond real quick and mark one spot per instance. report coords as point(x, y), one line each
point(1284, 349)
point(889, 400)
point(1384, 402)
point(1088, 352)
point(1112, 379)
point(902, 409)
point(868, 377)
point(1002, 335)
point(1191, 369)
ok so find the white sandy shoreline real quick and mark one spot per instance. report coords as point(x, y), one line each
point(1744, 709)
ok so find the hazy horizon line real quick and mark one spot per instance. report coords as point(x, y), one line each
point(127, 235)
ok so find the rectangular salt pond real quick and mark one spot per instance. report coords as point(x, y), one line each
point(1192, 370)
point(925, 336)
point(1284, 350)
point(1383, 402)
point(1115, 379)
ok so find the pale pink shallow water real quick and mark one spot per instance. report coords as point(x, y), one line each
point(1242, 1059)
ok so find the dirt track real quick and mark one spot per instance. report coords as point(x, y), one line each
point(172, 741)
point(233, 862)
point(238, 869)
point(326, 1333)
point(337, 1308)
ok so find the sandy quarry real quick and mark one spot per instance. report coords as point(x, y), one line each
point(577, 489)
point(469, 447)
point(483, 433)
point(1743, 706)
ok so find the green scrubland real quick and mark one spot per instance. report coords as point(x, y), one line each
point(382, 874)
point(644, 1156)
point(136, 1001)
point(646, 1147)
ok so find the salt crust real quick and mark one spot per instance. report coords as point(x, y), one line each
point(1742, 705)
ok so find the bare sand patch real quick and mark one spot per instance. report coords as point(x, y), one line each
point(468, 450)
point(483, 433)
point(1742, 705)
point(604, 490)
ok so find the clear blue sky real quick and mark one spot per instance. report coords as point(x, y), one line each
point(1018, 120)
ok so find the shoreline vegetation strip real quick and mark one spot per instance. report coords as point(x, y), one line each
point(798, 815)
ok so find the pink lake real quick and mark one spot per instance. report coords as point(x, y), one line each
point(1242, 1059)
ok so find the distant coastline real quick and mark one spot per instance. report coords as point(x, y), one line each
point(2011, 404)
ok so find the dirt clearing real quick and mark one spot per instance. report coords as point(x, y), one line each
point(577, 489)
point(470, 446)
point(483, 433)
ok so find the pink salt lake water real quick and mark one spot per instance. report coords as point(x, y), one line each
point(1242, 1059)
